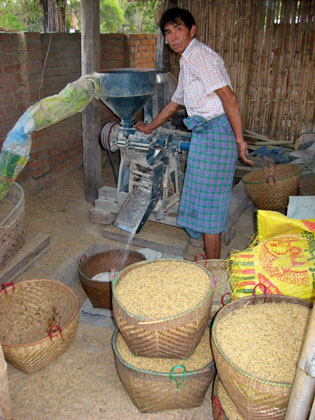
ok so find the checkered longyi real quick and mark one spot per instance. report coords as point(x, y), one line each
point(207, 190)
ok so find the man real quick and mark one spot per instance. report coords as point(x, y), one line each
point(204, 88)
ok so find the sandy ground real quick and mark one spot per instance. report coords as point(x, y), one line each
point(83, 382)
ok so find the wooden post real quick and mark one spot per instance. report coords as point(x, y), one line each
point(5, 401)
point(303, 391)
point(162, 55)
point(90, 62)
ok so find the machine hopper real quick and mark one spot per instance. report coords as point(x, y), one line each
point(126, 91)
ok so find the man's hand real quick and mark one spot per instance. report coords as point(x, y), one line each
point(243, 152)
point(142, 126)
point(159, 120)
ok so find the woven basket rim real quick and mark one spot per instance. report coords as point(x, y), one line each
point(215, 394)
point(153, 372)
point(82, 263)
point(65, 325)
point(160, 320)
point(279, 178)
point(238, 369)
point(16, 206)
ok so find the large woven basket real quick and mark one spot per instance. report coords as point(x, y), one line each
point(220, 411)
point(38, 320)
point(12, 235)
point(175, 337)
point(153, 391)
point(270, 187)
point(99, 292)
point(255, 398)
point(218, 268)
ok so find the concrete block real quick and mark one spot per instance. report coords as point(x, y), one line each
point(107, 204)
point(101, 216)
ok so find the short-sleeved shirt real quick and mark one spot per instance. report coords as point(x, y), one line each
point(202, 71)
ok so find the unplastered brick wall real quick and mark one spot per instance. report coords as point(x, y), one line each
point(142, 50)
point(34, 66)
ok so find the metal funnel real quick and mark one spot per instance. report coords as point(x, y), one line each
point(126, 91)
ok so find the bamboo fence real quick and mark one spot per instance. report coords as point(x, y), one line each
point(268, 49)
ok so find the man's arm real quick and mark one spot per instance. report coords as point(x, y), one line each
point(231, 109)
point(159, 120)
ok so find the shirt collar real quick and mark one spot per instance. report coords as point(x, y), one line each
point(189, 48)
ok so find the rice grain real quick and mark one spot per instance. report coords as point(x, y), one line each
point(159, 289)
point(264, 340)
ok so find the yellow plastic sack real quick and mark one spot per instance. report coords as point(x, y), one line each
point(281, 259)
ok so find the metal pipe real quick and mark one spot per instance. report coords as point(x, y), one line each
point(178, 133)
point(303, 391)
point(184, 145)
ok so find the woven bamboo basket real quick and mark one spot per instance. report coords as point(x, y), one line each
point(218, 268)
point(100, 293)
point(175, 337)
point(5, 401)
point(270, 187)
point(38, 320)
point(255, 398)
point(220, 411)
point(153, 391)
point(12, 235)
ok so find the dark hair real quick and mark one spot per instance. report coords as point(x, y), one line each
point(173, 15)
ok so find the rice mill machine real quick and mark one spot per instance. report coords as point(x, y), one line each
point(149, 178)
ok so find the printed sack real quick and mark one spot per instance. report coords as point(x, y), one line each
point(281, 259)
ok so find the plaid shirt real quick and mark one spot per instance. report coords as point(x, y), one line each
point(202, 71)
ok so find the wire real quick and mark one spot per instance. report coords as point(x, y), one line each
point(44, 66)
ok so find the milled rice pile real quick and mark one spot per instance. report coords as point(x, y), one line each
point(161, 289)
point(264, 339)
point(201, 357)
point(228, 406)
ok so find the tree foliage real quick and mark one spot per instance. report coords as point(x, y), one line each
point(139, 16)
point(115, 15)
point(22, 15)
point(111, 16)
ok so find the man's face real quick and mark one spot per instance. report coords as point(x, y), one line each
point(178, 35)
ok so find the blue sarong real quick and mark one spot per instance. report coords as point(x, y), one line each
point(207, 190)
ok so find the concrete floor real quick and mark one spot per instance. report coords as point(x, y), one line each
point(83, 382)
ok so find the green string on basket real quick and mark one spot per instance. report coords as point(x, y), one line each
point(174, 379)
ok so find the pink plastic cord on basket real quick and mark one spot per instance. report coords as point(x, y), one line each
point(260, 285)
point(83, 258)
point(222, 298)
point(217, 403)
point(203, 256)
point(215, 280)
point(5, 285)
point(271, 173)
point(52, 330)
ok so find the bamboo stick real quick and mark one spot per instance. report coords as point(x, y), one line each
point(303, 391)
point(5, 401)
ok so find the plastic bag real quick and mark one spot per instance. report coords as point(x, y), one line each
point(281, 259)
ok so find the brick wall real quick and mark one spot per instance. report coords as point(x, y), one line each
point(57, 149)
point(142, 50)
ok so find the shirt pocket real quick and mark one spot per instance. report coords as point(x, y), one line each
point(193, 91)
